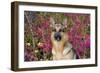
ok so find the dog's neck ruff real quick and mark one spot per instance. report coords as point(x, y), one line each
point(67, 49)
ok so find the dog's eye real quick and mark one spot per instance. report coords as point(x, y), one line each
point(61, 30)
point(54, 30)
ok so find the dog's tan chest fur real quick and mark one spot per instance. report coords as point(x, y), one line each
point(58, 46)
point(67, 53)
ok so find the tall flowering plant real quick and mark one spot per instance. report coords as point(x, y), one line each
point(79, 34)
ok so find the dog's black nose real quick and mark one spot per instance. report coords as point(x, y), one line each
point(57, 36)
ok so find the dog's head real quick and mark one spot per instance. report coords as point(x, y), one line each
point(58, 30)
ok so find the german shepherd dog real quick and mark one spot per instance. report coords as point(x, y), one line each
point(61, 48)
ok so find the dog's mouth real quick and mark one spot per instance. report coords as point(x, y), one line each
point(57, 36)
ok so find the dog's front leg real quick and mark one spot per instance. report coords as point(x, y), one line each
point(53, 53)
point(56, 55)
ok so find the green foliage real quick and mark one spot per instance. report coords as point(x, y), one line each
point(28, 39)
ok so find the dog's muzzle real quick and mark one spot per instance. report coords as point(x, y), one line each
point(57, 36)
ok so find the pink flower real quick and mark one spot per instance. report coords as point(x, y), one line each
point(87, 41)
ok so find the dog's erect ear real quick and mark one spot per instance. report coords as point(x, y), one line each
point(52, 22)
point(65, 22)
